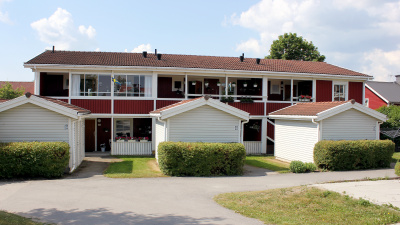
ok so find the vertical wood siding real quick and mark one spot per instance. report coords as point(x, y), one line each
point(295, 140)
point(356, 91)
point(256, 108)
point(131, 148)
point(163, 103)
point(271, 107)
point(95, 106)
point(133, 106)
point(29, 122)
point(204, 124)
point(324, 91)
point(349, 125)
point(252, 147)
point(374, 101)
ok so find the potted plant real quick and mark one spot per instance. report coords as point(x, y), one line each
point(304, 98)
point(120, 139)
point(131, 139)
point(143, 139)
point(245, 84)
point(103, 147)
point(194, 82)
point(206, 83)
point(255, 85)
point(233, 84)
point(218, 83)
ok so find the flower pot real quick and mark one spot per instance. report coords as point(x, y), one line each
point(103, 149)
point(119, 141)
point(132, 141)
point(144, 140)
point(244, 85)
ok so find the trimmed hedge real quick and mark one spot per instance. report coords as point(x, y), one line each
point(353, 155)
point(33, 159)
point(201, 159)
point(300, 167)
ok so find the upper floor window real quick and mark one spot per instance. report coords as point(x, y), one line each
point(132, 85)
point(339, 92)
point(91, 85)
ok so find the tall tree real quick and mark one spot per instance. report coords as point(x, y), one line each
point(291, 47)
point(7, 91)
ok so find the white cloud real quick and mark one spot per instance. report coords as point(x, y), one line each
point(4, 18)
point(340, 29)
point(59, 30)
point(141, 48)
point(382, 65)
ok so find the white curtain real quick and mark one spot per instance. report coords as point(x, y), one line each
point(147, 86)
point(76, 85)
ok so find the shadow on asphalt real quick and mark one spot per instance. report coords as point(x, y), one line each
point(104, 216)
point(88, 169)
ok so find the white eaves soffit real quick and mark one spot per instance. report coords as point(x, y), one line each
point(349, 105)
point(41, 103)
point(170, 112)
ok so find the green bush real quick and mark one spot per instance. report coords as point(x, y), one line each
point(397, 168)
point(310, 167)
point(201, 159)
point(353, 155)
point(297, 167)
point(33, 159)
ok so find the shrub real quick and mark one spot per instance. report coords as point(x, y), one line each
point(310, 167)
point(397, 168)
point(353, 155)
point(201, 159)
point(33, 159)
point(297, 167)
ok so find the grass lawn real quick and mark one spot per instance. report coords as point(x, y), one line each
point(396, 157)
point(268, 162)
point(306, 205)
point(134, 167)
point(12, 219)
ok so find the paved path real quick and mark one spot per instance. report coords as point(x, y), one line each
point(89, 198)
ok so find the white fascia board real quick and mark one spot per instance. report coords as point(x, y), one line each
point(155, 114)
point(344, 107)
point(182, 108)
point(376, 93)
point(292, 117)
point(13, 103)
point(196, 70)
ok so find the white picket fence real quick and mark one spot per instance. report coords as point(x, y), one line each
point(252, 147)
point(131, 148)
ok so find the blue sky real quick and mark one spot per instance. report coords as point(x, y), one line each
point(362, 35)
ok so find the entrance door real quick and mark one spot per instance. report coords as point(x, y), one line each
point(90, 135)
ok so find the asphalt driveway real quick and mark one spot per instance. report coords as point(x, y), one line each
point(87, 197)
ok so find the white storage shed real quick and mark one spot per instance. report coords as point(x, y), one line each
point(299, 127)
point(199, 120)
point(38, 118)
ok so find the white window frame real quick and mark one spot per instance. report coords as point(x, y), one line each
point(346, 89)
point(124, 119)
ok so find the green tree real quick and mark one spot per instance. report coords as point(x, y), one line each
point(291, 47)
point(393, 114)
point(7, 92)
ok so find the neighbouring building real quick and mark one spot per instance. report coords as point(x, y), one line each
point(379, 94)
point(27, 86)
point(125, 91)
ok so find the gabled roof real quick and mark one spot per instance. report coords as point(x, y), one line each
point(124, 59)
point(186, 105)
point(387, 91)
point(28, 86)
point(45, 102)
point(322, 110)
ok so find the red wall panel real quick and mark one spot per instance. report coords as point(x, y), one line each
point(324, 91)
point(95, 106)
point(356, 91)
point(271, 131)
point(133, 106)
point(271, 107)
point(256, 108)
point(374, 101)
point(163, 103)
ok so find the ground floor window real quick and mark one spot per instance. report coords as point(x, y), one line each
point(133, 128)
point(252, 130)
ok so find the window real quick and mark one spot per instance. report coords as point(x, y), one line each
point(339, 92)
point(123, 128)
point(132, 85)
point(91, 85)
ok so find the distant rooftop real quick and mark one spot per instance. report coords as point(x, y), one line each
point(389, 90)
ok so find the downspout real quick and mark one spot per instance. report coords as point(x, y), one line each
point(319, 133)
point(242, 131)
